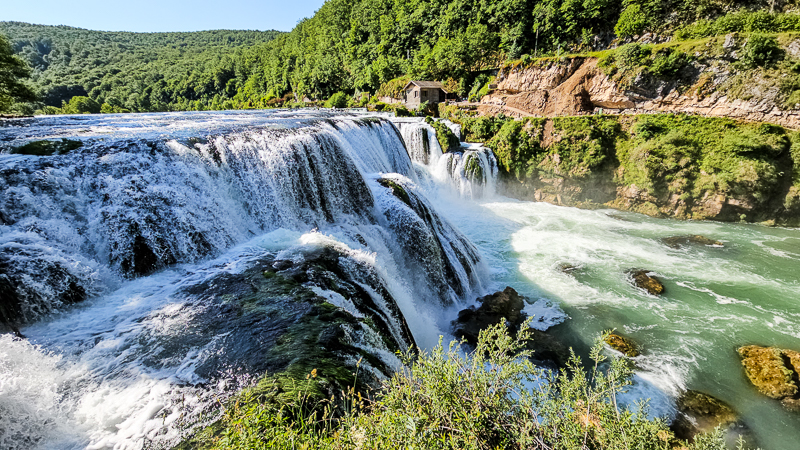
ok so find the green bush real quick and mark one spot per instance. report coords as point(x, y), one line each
point(338, 100)
point(631, 22)
point(492, 398)
point(760, 51)
point(667, 63)
point(448, 141)
point(742, 21)
point(81, 105)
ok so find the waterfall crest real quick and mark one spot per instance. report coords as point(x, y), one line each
point(196, 242)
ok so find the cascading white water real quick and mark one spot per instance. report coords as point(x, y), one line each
point(129, 220)
point(471, 170)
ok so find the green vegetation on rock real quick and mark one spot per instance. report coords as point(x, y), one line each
point(448, 141)
point(445, 399)
point(662, 165)
point(47, 148)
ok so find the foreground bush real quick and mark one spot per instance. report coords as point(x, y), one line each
point(493, 398)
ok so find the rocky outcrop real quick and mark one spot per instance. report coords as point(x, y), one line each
point(677, 242)
point(622, 344)
point(700, 413)
point(577, 86)
point(643, 280)
point(506, 307)
point(314, 310)
point(501, 307)
point(774, 372)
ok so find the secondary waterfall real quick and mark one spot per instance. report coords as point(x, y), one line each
point(135, 219)
point(471, 170)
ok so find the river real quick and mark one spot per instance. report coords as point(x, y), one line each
point(84, 378)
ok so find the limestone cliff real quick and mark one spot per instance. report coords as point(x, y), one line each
point(711, 84)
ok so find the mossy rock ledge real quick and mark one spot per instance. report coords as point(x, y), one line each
point(300, 324)
point(623, 344)
point(643, 280)
point(774, 372)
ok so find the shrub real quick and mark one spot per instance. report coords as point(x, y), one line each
point(338, 100)
point(445, 399)
point(447, 139)
point(81, 105)
point(668, 63)
point(631, 22)
point(760, 50)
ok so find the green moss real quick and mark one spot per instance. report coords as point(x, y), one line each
point(47, 148)
point(473, 169)
point(448, 141)
point(397, 190)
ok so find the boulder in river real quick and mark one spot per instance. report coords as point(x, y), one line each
point(681, 241)
point(701, 413)
point(502, 306)
point(774, 372)
point(622, 344)
point(643, 280)
point(506, 307)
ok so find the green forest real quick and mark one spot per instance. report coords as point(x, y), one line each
point(352, 46)
point(137, 72)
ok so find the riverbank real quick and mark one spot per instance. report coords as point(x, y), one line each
point(662, 165)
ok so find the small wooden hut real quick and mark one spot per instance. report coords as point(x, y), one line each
point(417, 92)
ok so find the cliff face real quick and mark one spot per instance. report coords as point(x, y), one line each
point(577, 86)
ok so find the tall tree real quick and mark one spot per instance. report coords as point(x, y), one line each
point(13, 71)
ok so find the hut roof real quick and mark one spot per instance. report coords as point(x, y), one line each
point(426, 84)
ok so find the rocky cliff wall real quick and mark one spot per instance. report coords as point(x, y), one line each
point(575, 86)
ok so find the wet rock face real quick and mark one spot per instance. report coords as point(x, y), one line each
point(701, 413)
point(21, 270)
point(278, 316)
point(503, 306)
point(506, 307)
point(682, 241)
point(774, 372)
point(622, 344)
point(643, 280)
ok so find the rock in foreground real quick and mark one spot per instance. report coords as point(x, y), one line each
point(506, 307)
point(701, 413)
point(774, 372)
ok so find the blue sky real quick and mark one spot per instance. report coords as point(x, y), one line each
point(162, 15)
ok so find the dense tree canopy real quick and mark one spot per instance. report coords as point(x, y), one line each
point(13, 71)
point(134, 71)
point(347, 46)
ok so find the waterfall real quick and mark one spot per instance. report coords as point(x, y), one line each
point(471, 171)
point(163, 226)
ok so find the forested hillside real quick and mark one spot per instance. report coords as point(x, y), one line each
point(358, 46)
point(133, 71)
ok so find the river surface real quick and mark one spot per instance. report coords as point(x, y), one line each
point(716, 299)
point(82, 380)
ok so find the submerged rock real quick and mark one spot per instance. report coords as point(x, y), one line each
point(701, 413)
point(643, 280)
point(567, 268)
point(774, 372)
point(681, 241)
point(622, 344)
point(506, 307)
